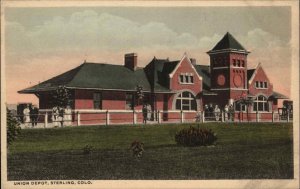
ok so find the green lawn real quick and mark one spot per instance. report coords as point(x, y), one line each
point(243, 151)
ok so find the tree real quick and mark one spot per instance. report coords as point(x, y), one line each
point(61, 97)
point(140, 93)
point(13, 128)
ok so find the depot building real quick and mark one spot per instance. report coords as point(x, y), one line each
point(167, 85)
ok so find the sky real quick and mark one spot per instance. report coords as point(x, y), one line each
point(41, 43)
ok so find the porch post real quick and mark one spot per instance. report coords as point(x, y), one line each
point(78, 118)
point(273, 116)
point(46, 120)
point(222, 114)
point(203, 116)
point(107, 117)
point(134, 117)
point(288, 116)
point(159, 116)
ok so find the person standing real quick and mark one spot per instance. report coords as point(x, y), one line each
point(231, 113)
point(206, 111)
point(68, 116)
point(149, 111)
point(226, 111)
point(144, 110)
point(217, 112)
point(211, 111)
point(55, 116)
point(61, 116)
point(34, 114)
point(26, 113)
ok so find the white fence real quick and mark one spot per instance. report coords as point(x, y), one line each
point(119, 117)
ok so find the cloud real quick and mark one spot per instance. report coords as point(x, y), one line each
point(90, 30)
point(64, 42)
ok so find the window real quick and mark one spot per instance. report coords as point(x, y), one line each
point(97, 98)
point(243, 63)
point(234, 62)
point(186, 78)
point(256, 84)
point(240, 107)
point(186, 101)
point(239, 63)
point(261, 84)
point(260, 104)
point(129, 101)
point(181, 78)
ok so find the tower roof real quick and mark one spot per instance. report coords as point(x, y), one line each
point(228, 42)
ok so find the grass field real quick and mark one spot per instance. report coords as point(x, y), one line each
point(243, 151)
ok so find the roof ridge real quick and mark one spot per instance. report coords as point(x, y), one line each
point(75, 70)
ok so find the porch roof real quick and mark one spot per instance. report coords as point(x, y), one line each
point(277, 95)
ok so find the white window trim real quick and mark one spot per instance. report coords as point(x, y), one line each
point(190, 99)
point(257, 101)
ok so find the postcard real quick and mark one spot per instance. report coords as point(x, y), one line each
point(150, 94)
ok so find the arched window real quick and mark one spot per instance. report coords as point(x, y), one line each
point(260, 104)
point(186, 101)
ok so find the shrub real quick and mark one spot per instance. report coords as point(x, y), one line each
point(195, 137)
point(137, 148)
point(12, 126)
point(88, 149)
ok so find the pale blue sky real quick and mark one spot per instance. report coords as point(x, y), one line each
point(61, 38)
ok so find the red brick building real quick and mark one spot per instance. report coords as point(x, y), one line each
point(167, 85)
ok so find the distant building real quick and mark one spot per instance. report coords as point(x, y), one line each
point(167, 85)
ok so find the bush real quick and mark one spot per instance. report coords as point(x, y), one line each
point(88, 149)
point(195, 137)
point(13, 127)
point(137, 148)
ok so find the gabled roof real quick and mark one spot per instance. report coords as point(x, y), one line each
point(228, 42)
point(250, 72)
point(96, 76)
point(203, 71)
point(158, 71)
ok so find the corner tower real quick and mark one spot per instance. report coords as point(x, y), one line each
point(228, 64)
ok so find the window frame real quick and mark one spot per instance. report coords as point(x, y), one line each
point(186, 78)
point(130, 105)
point(97, 100)
point(257, 103)
point(182, 99)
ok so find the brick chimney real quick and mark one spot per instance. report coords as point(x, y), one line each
point(193, 61)
point(130, 61)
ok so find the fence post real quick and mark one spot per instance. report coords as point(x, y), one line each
point(288, 116)
point(257, 119)
point(78, 118)
point(203, 116)
point(223, 116)
point(182, 116)
point(159, 116)
point(107, 117)
point(273, 116)
point(134, 117)
point(46, 120)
